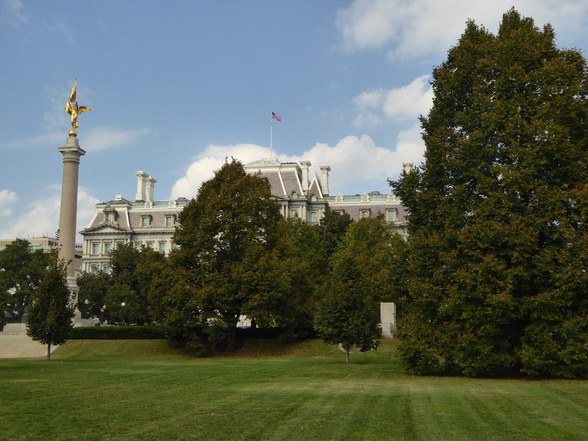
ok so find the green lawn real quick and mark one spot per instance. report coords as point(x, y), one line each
point(142, 390)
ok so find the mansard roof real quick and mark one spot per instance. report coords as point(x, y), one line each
point(284, 178)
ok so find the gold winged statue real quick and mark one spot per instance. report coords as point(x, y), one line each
point(71, 107)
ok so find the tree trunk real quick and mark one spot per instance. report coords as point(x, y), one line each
point(231, 333)
point(49, 352)
point(347, 355)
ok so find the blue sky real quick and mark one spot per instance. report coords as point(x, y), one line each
point(178, 86)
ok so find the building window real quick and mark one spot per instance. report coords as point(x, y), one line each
point(138, 245)
point(364, 213)
point(95, 248)
point(145, 221)
point(150, 244)
point(162, 247)
point(313, 198)
point(313, 217)
point(391, 214)
point(109, 217)
point(107, 247)
point(95, 268)
point(293, 212)
point(169, 221)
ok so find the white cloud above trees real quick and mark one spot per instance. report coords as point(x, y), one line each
point(411, 30)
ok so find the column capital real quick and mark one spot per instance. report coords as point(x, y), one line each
point(71, 150)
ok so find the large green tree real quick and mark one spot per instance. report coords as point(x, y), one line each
point(50, 316)
point(232, 250)
point(498, 235)
point(22, 269)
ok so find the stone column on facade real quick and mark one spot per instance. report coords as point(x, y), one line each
point(71, 152)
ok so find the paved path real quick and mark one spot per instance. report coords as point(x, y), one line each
point(15, 343)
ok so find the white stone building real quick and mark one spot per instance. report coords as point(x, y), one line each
point(152, 223)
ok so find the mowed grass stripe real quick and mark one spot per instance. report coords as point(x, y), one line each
point(141, 390)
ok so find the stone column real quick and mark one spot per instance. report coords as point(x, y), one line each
point(71, 152)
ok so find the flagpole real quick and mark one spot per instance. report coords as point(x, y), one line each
point(271, 135)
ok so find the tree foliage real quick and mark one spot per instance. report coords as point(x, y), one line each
point(331, 230)
point(4, 300)
point(498, 236)
point(233, 255)
point(50, 316)
point(92, 293)
point(22, 269)
point(349, 311)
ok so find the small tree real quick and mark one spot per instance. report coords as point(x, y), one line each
point(51, 313)
point(349, 312)
point(347, 315)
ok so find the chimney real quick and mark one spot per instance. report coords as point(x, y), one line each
point(149, 188)
point(141, 176)
point(325, 169)
point(407, 166)
point(305, 165)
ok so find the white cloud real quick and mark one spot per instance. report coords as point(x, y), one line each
point(357, 164)
point(100, 138)
point(7, 200)
point(401, 104)
point(41, 217)
point(422, 27)
point(210, 160)
point(12, 12)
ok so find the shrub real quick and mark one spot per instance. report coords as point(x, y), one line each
point(118, 332)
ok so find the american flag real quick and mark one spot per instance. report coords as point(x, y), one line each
point(278, 117)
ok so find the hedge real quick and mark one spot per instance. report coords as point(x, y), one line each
point(117, 332)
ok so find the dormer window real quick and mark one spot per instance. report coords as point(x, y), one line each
point(145, 221)
point(109, 214)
